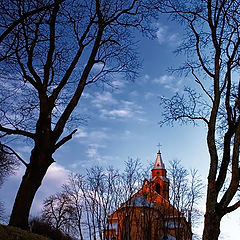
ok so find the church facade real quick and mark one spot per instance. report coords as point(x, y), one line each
point(148, 214)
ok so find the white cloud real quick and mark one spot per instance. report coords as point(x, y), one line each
point(25, 149)
point(56, 176)
point(164, 35)
point(173, 37)
point(116, 113)
point(146, 76)
point(133, 94)
point(94, 155)
point(169, 82)
point(98, 66)
point(126, 110)
point(98, 135)
point(127, 133)
point(104, 98)
point(85, 95)
point(52, 182)
point(92, 152)
point(165, 79)
point(148, 95)
point(161, 34)
point(118, 84)
point(81, 133)
point(91, 136)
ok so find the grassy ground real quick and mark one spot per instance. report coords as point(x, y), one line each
point(12, 233)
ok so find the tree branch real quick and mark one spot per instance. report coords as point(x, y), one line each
point(16, 131)
point(23, 17)
point(13, 152)
point(49, 61)
point(64, 140)
point(232, 208)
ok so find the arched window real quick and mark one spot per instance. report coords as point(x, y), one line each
point(158, 188)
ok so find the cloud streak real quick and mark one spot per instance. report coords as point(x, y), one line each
point(168, 82)
point(164, 36)
point(124, 111)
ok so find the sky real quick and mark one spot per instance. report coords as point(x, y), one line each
point(123, 122)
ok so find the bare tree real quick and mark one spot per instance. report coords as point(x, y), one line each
point(81, 209)
point(64, 210)
point(8, 165)
point(13, 15)
point(211, 45)
point(51, 53)
point(83, 206)
point(57, 211)
point(74, 189)
point(130, 182)
point(8, 162)
point(186, 189)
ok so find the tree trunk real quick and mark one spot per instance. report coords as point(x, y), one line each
point(211, 226)
point(31, 181)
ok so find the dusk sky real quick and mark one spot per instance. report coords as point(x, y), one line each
point(123, 122)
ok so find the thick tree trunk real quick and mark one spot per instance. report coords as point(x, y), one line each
point(211, 226)
point(31, 181)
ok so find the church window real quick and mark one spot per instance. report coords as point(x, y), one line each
point(158, 188)
point(157, 173)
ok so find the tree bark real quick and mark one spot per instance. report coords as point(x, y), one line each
point(31, 181)
point(211, 225)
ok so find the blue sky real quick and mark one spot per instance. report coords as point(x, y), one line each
point(123, 122)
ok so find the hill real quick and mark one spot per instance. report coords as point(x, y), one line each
point(12, 233)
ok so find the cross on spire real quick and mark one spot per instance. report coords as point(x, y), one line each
point(159, 145)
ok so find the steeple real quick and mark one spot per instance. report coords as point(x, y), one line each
point(159, 181)
point(159, 163)
point(159, 167)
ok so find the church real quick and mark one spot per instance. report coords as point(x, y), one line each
point(148, 214)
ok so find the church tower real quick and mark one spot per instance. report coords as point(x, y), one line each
point(159, 178)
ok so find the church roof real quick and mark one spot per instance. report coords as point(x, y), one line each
point(140, 201)
point(159, 163)
point(161, 177)
point(168, 237)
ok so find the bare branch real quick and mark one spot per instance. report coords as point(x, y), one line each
point(64, 140)
point(16, 132)
point(23, 17)
point(14, 153)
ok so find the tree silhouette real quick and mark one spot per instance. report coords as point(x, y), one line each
point(49, 54)
point(211, 45)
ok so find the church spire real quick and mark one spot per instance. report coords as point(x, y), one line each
point(159, 167)
point(159, 179)
point(159, 163)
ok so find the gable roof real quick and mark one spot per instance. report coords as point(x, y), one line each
point(139, 201)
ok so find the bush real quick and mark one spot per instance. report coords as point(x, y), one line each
point(43, 228)
point(13, 233)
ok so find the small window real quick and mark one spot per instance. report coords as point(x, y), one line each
point(157, 173)
point(158, 188)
